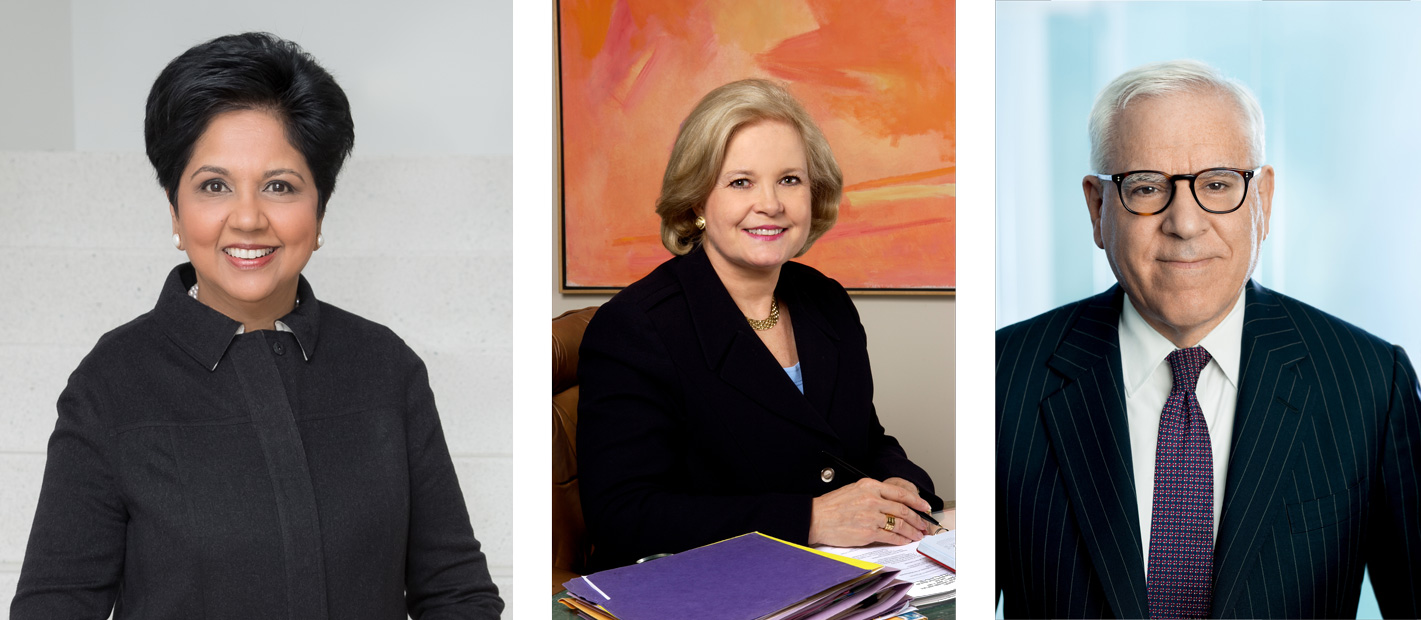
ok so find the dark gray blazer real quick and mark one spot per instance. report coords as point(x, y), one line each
point(1322, 480)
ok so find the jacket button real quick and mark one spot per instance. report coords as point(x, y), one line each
point(278, 349)
point(827, 474)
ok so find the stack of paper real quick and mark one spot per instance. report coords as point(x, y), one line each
point(933, 582)
point(750, 577)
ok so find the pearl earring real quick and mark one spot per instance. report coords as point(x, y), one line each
point(700, 222)
point(320, 240)
point(177, 241)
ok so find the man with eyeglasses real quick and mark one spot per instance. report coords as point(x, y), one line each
point(1189, 443)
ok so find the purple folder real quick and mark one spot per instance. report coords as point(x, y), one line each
point(742, 578)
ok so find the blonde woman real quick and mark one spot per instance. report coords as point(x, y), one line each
point(718, 390)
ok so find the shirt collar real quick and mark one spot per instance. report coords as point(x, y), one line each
point(1142, 349)
point(242, 329)
point(205, 334)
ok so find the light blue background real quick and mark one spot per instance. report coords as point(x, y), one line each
point(1341, 93)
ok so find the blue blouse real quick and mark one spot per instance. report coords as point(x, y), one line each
point(797, 376)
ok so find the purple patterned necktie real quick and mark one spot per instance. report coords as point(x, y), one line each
point(1181, 580)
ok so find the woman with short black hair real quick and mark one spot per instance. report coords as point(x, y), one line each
point(245, 450)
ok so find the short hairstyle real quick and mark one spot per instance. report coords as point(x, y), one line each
point(251, 71)
point(1164, 78)
point(699, 153)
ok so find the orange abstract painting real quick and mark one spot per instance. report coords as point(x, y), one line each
point(878, 78)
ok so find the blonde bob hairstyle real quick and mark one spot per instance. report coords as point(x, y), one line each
point(699, 153)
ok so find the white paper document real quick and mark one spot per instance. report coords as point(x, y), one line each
point(931, 582)
point(941, 548)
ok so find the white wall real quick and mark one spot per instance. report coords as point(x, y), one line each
point(417, 233)
point(423, 77)
point(36, 86)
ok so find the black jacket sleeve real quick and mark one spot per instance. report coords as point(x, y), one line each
point(74, 561)
point(1394, 549)
point(446, 575)
point(889, 458)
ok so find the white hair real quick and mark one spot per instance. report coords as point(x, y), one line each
point(1164, 78)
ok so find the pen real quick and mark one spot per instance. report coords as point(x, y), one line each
point(857, 472)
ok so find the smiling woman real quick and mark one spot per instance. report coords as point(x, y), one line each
point(720, 393)
point(757, 215)
point(245, 450)
point(249, 220)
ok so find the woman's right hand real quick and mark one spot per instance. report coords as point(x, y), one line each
point(855, 515)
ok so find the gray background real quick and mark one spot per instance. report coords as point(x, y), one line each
point(417, 233)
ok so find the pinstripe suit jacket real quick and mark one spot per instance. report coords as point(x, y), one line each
point(1322, 480)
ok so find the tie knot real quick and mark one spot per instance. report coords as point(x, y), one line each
point(1186, 364)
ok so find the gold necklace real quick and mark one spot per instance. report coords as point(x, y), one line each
point(764, 324)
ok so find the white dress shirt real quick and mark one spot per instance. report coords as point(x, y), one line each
point(1148, 380)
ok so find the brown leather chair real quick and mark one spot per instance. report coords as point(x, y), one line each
point(570, 546)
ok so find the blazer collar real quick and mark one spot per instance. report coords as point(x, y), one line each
point(1094, 338)
point(816, 340)
point(733, 350)
point(1089, 433)
point(204, 333)
point(1275, 391)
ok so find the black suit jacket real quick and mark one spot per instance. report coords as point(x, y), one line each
point(1322, 479)
point(690, 432)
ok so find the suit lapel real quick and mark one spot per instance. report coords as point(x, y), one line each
point(735, 353)
point(1273, 394)
point(1089, 433)
point(815, 340)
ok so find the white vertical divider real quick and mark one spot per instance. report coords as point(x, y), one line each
point(533, 181)
point(976, 275)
